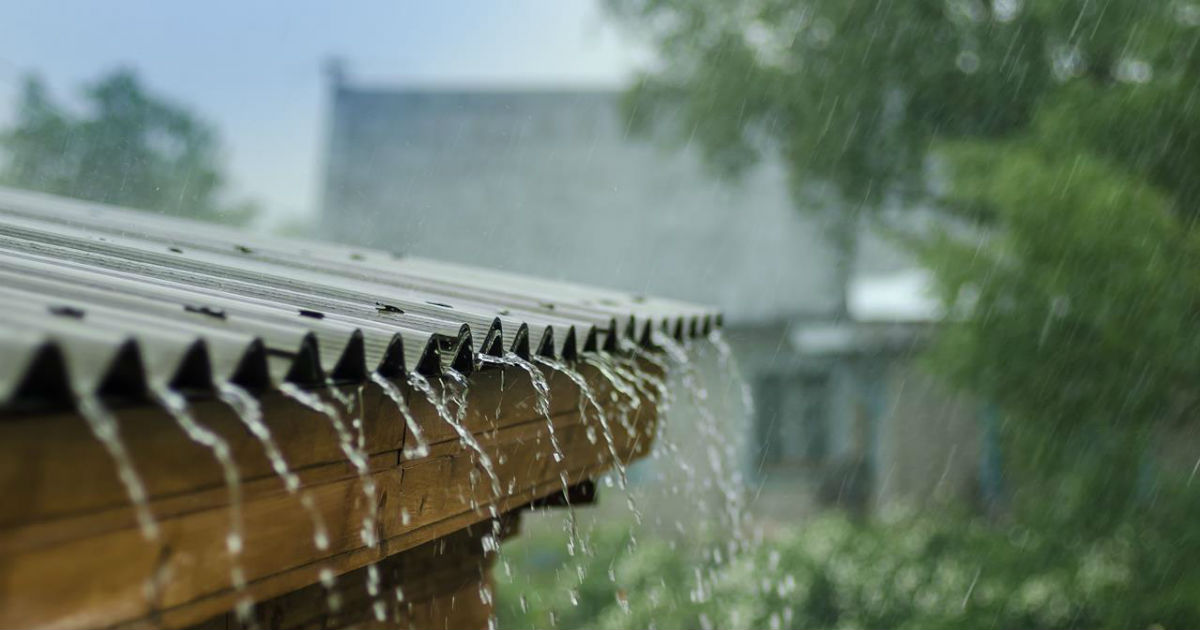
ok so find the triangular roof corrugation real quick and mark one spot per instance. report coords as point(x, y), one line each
point(99, 300)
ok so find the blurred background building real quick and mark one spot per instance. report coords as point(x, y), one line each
point(549, 183)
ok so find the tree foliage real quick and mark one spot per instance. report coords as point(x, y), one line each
point(856, 92)
point(1062, 136)
point(127, 147)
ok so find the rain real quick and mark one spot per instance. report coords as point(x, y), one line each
point(600, 314)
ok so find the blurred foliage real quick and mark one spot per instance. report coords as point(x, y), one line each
point(1060, 139)
point(127, 147)
point(855, 97)
point(1082, 309)
point(855, 92)
point(907, 570)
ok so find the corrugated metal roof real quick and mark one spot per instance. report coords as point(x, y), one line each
point(102, 300)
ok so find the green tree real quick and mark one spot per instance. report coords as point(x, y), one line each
point(854, 93)
point(1062, 139)
point(847, 93)
point(127, 147)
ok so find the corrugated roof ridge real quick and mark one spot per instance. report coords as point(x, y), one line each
point(105, 300)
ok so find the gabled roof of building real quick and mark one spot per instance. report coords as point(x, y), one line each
point(99, 300)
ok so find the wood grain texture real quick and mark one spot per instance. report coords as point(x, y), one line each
point(438, 584)
point(71, 555)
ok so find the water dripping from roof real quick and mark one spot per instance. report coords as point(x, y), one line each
point(353, 448)
point(333, 599)
point(103, 425)
point(352, 405)
point(248, 411)
point(457, 394)
point(540, 387)
point(664, 397)
point(720, 452)
point(589, 395)
point(468, 441)
point(730, 364)
point(392, 391)
point(355, 455)
point(177, 407)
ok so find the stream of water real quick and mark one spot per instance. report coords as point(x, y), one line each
point(350, 448)
point(665, 395)
point(247, 409)
point(421, 384)
point(630, 386)
point(540, 387)
point(625, 399)
point(352, 405)
point(490, 543)
point(721, 472)
point(392, 391)
point(730, 364)
point(104, 426)
point(601, 417)
point(177, 407)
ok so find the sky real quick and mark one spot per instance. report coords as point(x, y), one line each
point(254, 69)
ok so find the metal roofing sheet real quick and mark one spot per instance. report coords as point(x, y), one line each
point(102, 300)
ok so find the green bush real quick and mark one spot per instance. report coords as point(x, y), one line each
point(907, 570)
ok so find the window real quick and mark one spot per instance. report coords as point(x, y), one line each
point(792, 422)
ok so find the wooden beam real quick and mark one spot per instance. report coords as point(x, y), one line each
point(439, 584)
point(71, 555)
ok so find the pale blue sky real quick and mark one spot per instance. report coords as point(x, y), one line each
point(254, 68)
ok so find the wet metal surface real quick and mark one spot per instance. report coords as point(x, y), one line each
point(102, 301)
